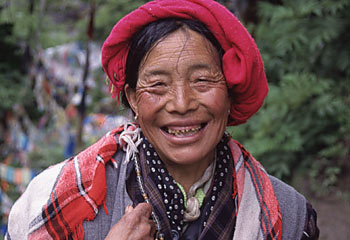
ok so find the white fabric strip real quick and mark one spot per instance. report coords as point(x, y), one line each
point(248, 217)
point(80, 186)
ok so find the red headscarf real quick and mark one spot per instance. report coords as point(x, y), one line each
point(242, 63)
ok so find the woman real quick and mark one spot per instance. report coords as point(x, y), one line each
point(187, 69)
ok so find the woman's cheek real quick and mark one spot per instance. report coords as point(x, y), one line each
point(149, 100)
point(217, 100)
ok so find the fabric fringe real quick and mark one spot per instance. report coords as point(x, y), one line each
point(78, 233)
point(105, 207)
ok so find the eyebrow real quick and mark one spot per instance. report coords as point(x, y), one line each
point(156, 72)
point(199, 66)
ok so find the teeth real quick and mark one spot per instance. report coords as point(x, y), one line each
point(183, 131)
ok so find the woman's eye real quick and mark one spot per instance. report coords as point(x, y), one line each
point(158, 84)
point(203, 80)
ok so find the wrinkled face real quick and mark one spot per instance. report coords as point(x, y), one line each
point(181, 98)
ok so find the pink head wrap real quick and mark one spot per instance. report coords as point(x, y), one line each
point(242, 63)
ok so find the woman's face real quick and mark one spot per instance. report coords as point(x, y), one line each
point(181, 98)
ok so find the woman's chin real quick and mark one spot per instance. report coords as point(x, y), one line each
point(181, 160)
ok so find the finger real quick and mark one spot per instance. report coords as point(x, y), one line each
point(153, 227)
point(143, 209)
point(135, 224)
point(143, 230)
point(128, 209)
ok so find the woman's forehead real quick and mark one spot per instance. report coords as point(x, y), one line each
point(182, 47)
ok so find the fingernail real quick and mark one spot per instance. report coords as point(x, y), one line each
point(128, 208)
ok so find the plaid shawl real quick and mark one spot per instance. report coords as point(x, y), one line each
point(80, 188)
point(256, 198)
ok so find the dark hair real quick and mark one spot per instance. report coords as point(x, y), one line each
point(142, 41)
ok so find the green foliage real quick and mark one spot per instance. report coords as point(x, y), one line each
point(304, 123)
point(11, 70)
point(39, 25)
point(108, 13)
point(47, 154)
point(14, 82)
point(112, 11)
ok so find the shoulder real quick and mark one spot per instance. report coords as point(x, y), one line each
point(40, 187)
point(287, 196)
point(29, 205)
point(26, 214)
point(299, 219)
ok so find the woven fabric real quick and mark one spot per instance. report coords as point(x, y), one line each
point(168, 201)
point(80, 189)
point(242, 63)
point(172, 200)
point(250, 172)
point(221, 221)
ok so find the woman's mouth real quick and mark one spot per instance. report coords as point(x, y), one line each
point(184, 131)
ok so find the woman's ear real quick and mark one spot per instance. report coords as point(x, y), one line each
point(131, 97)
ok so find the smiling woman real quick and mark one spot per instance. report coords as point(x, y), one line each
point(182, 102)
point(187, 69)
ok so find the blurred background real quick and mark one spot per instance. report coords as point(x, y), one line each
point(54, 100)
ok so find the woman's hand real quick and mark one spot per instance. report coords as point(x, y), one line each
point(134, 225)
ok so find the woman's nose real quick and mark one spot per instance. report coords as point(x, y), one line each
point(182, 99)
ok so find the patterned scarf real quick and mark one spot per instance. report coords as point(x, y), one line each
point(168, 201)
point(76, 199)
point(256, 197)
